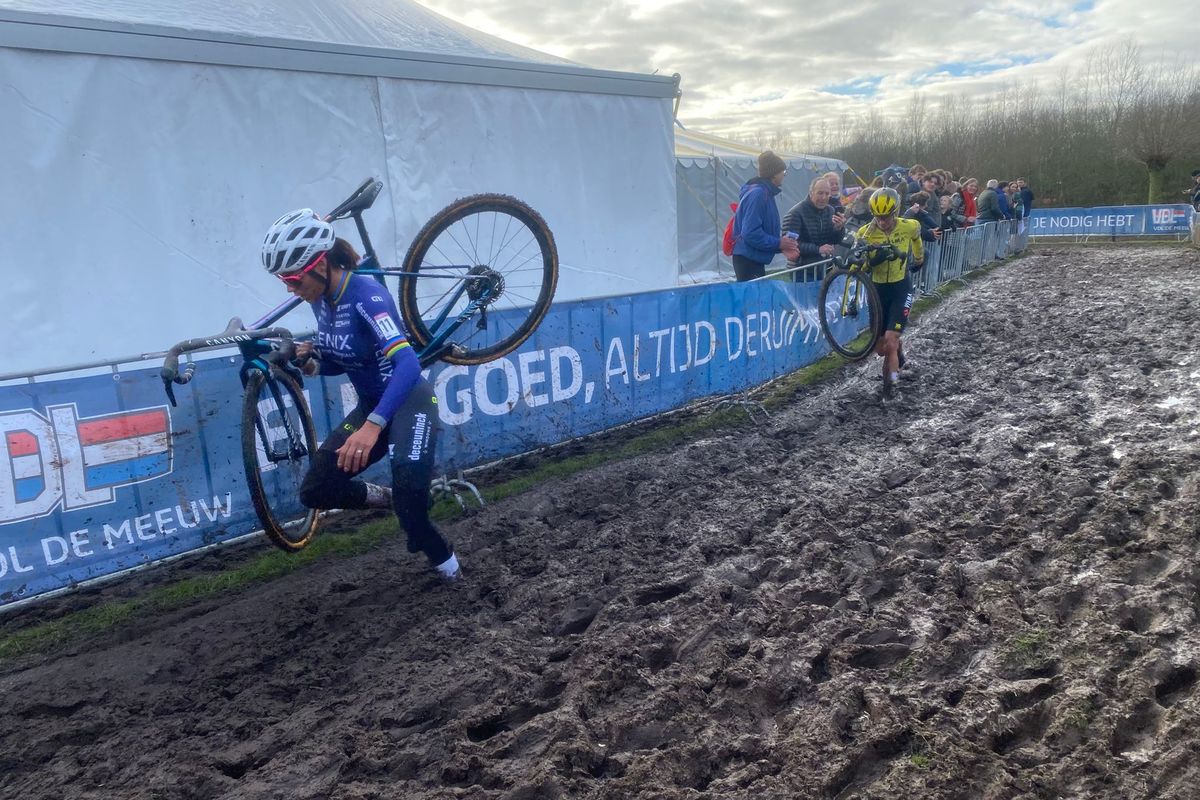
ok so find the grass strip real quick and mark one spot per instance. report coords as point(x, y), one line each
point(269, 566)
point(261, 569)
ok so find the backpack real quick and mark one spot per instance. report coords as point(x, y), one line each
point(729, 239)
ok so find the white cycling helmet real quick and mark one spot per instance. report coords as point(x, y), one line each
point(295, 240)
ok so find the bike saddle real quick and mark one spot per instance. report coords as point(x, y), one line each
point(362, 199)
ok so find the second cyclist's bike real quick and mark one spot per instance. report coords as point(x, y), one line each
point(476, 282)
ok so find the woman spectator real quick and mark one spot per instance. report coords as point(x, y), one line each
point(970, 188)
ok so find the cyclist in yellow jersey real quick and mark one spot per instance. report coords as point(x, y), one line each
point(890, 268)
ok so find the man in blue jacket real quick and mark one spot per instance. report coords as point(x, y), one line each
point(1002, 200)
point(756, 221)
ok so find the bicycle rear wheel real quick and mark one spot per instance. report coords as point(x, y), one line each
point(278, 441)
point(490, 248)
point(850, 311)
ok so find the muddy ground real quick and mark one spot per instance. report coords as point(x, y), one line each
point(987, 590)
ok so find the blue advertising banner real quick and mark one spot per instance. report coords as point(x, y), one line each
point(1111, 221)
point(99, 474)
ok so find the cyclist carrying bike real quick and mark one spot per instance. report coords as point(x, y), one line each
point(900, 245)
point(359, 333)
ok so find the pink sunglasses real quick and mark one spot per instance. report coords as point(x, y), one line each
point(296, 277)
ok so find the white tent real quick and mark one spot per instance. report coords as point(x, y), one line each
point(709, 172)
point(148, 146)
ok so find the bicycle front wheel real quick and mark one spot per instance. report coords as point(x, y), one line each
point(278, 442)
point(487, 250)
point(850, 311)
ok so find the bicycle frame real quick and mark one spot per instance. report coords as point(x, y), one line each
point(439, 327)
point(851, 305)
point(251, 341)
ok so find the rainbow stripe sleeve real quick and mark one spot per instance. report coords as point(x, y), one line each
point(394, 346)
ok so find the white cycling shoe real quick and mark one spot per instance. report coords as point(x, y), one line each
point(450, 570)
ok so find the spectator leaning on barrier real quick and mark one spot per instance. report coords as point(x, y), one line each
point(970, 188)
point(989, 203)
point(1194, 192)
point(756, 221)
point(816, 225)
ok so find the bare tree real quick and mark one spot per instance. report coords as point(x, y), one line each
point(1162, 123)
point(1094, 137)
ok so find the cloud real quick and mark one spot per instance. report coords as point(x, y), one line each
point(752, 66)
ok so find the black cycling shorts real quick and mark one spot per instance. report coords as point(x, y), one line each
point(409, 441)
point(896, 300)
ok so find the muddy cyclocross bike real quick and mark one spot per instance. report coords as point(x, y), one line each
point(848, 304)
point(476, 282)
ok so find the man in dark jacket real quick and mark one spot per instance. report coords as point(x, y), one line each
point(1026, 197)
point(816, 225)
point(988, 204)
point(756, 222)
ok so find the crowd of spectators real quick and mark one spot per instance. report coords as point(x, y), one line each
point(933, 197)
point(942, 203)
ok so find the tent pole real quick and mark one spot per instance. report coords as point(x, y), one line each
point(717, 205)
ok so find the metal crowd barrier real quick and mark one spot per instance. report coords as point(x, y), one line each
point(957, 253)
point(966, 249)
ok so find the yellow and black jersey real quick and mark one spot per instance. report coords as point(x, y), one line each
point(905, 237)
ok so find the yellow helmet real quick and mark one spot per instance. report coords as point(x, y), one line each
point(884, 202)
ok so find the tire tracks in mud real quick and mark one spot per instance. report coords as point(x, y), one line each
point(985, 590)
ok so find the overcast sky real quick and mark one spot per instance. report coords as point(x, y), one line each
point(768, 65)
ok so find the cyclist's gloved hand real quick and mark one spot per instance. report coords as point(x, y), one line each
point(883, 254)
point(916, 266)
point(307, 358)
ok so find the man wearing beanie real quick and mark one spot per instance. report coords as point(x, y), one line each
point(756, 221)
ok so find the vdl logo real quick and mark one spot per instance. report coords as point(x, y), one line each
point(62, 459)
point(1167, 216)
